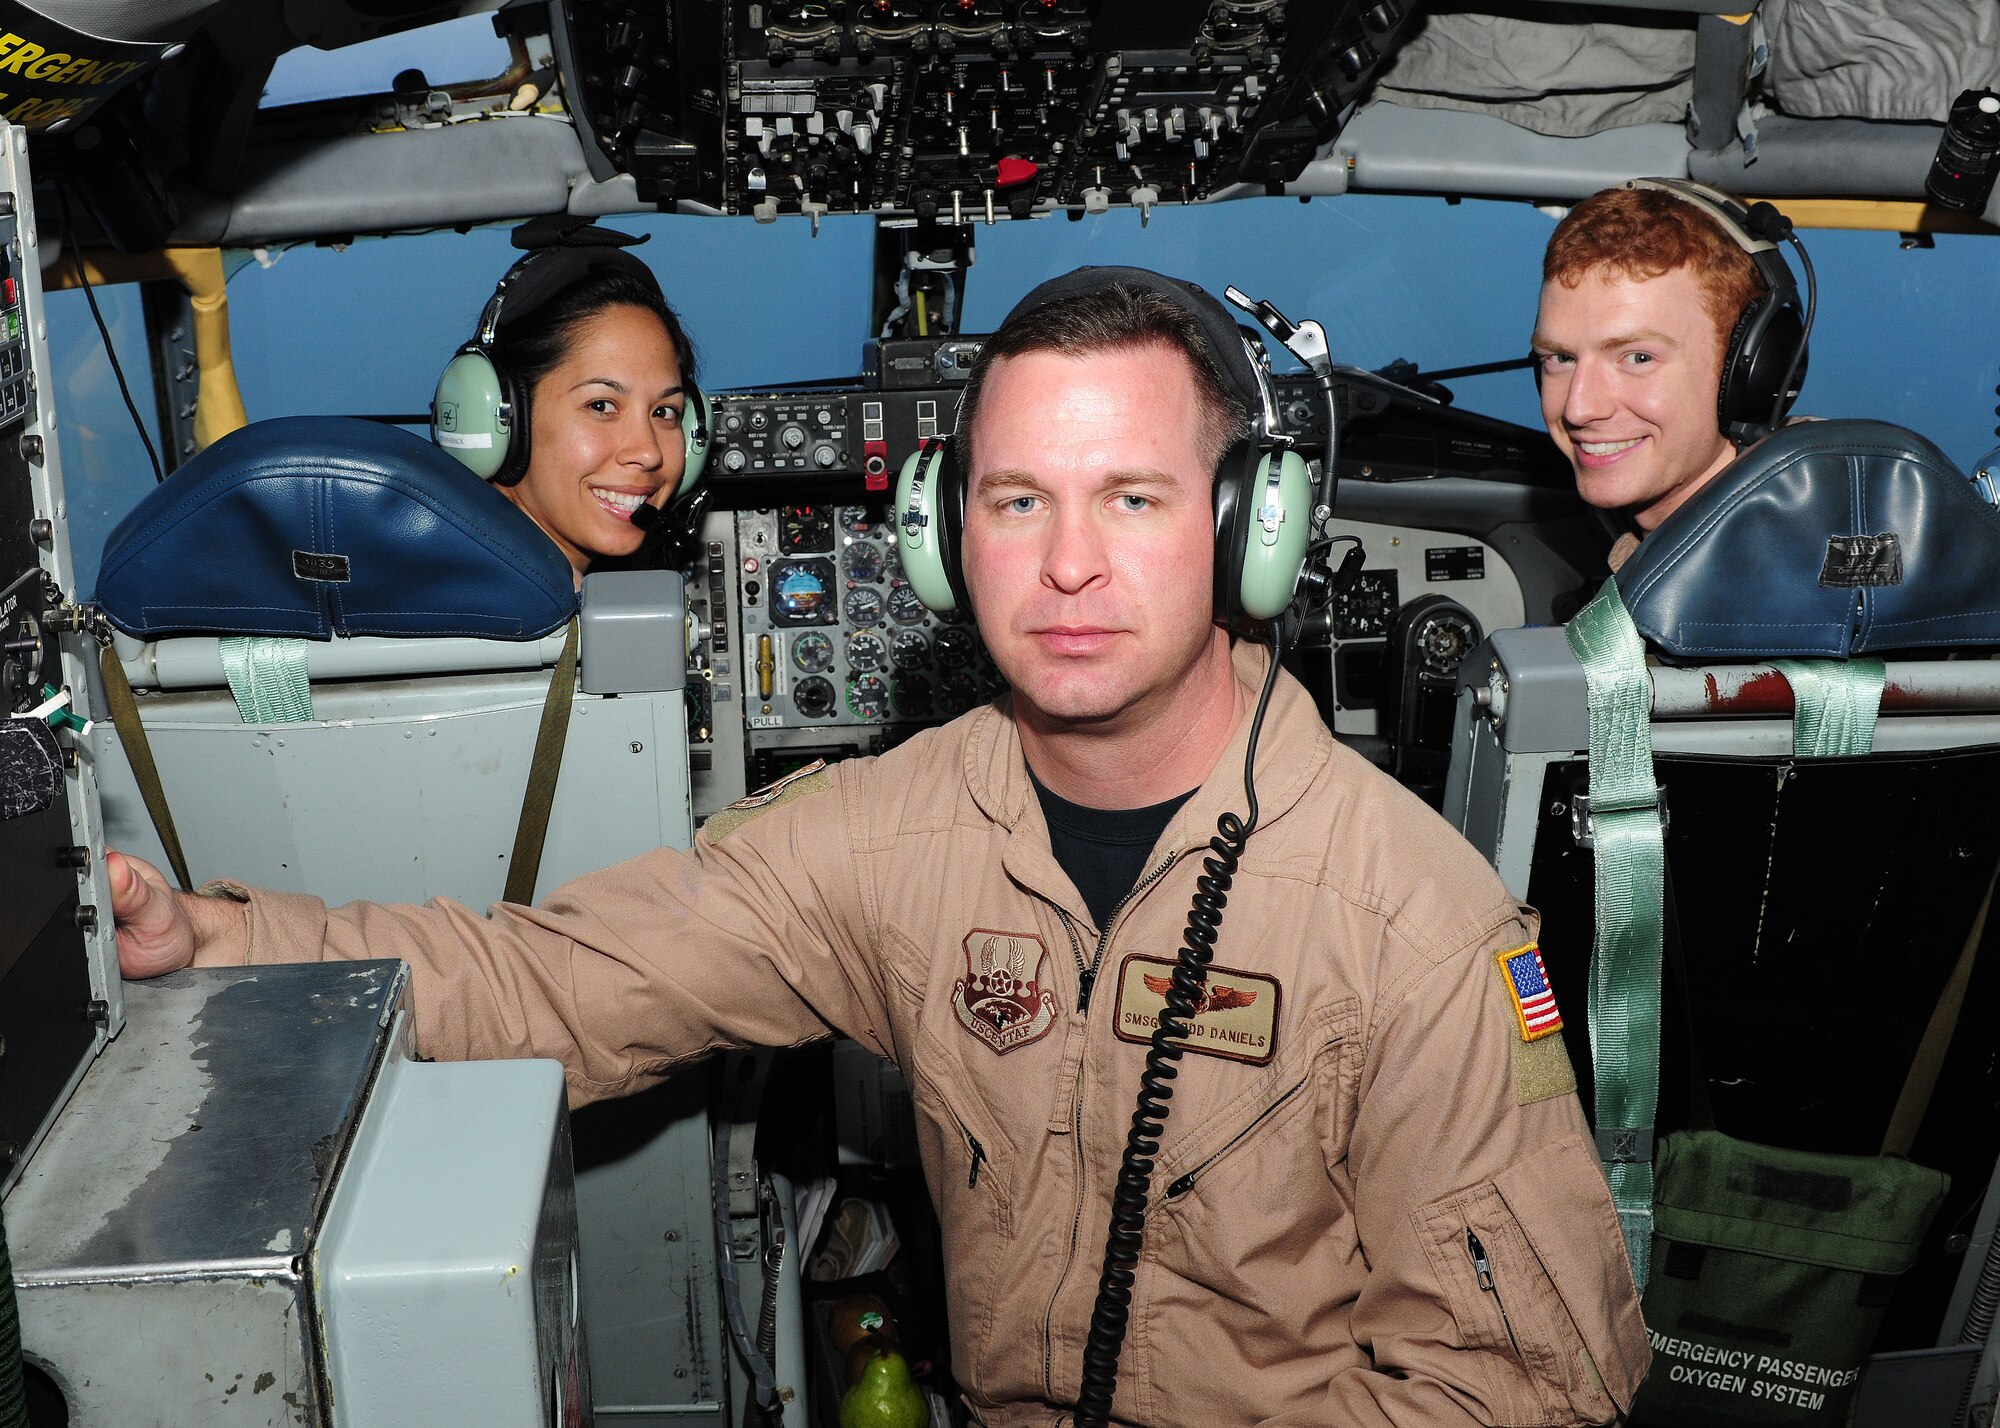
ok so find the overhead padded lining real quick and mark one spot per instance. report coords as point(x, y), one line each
point(1827, 539)
point(324, 526)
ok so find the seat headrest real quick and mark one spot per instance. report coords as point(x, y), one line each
point(1828, 539)
point(323, 526)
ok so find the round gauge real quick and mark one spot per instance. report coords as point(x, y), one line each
point(904, 606)
point(958, 692)
point(864, 607)
point(862, 561)
point(801, 592)
point(857, 520)
point(953, 617)
point(866, 654)
point(955, 648)
point(814, 697)
point(908, 648)
point(1367, 607)
point(805, 529)
point(812, 652)
point(892, 565)
point(912, 693)
point(868, 697)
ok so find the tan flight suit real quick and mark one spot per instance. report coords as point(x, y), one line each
point(1358, 1109)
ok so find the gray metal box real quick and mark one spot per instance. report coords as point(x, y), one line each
point(192, 1241)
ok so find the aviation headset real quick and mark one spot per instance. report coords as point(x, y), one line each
point(1263, 496)
point(480, 412)
point(1764, 361)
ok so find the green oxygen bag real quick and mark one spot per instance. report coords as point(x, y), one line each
point(1771, 1270)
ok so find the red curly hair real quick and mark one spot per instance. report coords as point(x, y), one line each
point(1642, 233)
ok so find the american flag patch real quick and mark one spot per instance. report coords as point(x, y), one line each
point(1528, 981)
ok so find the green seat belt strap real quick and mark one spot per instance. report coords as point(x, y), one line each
point(267, 676)
point(525, 866)
point(1623, 825)
point(139, 754)
point(1834, 704)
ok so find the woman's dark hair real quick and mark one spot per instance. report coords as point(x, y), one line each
point(531, 348)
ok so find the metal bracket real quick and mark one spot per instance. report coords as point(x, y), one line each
point(1583, 822)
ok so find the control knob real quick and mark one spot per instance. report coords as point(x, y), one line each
point(793, 437)
point(733, 459)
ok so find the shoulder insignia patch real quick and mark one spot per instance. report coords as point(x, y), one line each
point(1528, 984)
point(999, 999)
point(809, 779)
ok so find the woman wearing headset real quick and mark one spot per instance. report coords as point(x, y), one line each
point(605, 367)
point(594, 376)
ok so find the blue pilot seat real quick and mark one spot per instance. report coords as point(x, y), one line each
point(1812, 682)
point(409, 617)
point(317, 527)
point(428, 613)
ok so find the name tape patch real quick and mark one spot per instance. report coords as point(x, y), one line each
point(1236, 1018)
point(1528, 984)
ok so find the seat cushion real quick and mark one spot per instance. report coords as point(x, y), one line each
point(324, 526)
point(1828, 539)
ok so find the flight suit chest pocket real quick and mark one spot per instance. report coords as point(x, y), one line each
point(1282, 1136)
point(970, 1166)
point(969, 1161)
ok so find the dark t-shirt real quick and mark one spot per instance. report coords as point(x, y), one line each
point(1103, 849)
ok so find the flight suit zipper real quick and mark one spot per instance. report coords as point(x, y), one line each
point(1184, 1183)
point(1483, 1269)
point(1086, 977)
point(972, 1145)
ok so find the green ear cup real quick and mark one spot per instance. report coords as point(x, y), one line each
point(469, 416)
point(698, 426)
point(919, 530)
point(1279, 529)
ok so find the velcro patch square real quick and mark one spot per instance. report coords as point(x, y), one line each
point(1528, 983)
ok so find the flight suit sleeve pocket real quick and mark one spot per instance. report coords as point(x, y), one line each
point(1337, 1097)
point(1532, 1269)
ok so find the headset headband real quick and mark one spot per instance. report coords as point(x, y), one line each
point(1729, 213)
point(1222, 335)
point(558, 258)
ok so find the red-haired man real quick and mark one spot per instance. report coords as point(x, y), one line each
point(1640, 291)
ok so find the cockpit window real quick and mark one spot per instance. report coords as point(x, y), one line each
point(454, 52)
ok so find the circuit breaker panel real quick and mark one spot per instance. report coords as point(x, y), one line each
point(59, 990)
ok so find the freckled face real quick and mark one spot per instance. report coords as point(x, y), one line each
point(1629, 374)
point(606, 435)
point(1089, 534)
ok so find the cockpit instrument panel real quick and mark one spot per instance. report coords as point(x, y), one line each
point(841, 640)
point(969, 110)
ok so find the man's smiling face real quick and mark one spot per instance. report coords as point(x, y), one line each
point(1629, 371)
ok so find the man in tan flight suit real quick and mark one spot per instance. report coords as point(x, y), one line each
point(1376, 1201)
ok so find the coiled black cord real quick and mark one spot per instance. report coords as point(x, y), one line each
point(1142, 1143)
